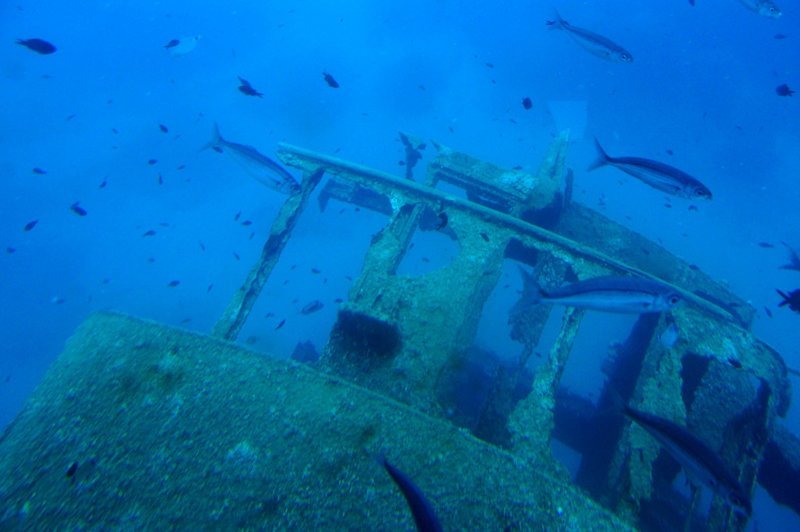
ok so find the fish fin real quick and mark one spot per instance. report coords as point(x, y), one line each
point(216, 138)
point(786, 298)
point(602, 157)
point(557, 22)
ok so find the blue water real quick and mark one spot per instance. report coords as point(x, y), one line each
point(702, 85)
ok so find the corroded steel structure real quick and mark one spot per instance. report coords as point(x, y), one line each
point(377, 385)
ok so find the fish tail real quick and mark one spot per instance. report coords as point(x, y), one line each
point(557, 22)
point(602, 157)
point(785, 298)
point(216, 138)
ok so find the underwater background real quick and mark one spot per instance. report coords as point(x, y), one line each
point(156, 208)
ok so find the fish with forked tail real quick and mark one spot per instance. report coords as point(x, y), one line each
point(246, 88)
point(622, 295)
point(593, 43)
point(259, 166)
point(658, 175)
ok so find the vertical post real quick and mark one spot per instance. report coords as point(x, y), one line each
point(532, 422)
point(238, 310)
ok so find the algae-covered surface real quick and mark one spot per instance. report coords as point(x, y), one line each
point(138, 425)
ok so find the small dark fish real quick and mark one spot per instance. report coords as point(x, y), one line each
point(691, 2)
point(485, 236)
point(312, 307)
point(209, 288)
point(160, 179)
point(236, 216)
point(163, 128)
point(38, 45)
point(251, 340)
point(202, 246)
point(421, 509)
point(39, 171)
point(593, 43)
point(150, 232)
point(330, 80)
point(280, 324)
point(247, 222)
point(766, 245)
point(792, 299)
point(700, 463)
point(77, 209)
point(783, 90)
point(780, 36)
point(247, 88)
point(30, 225)
point(70, 117)
point(338, 300)
point(735, 363)
point(103, 184)
point(151, 162)
point(72, 469)
point(236, 256)
point(10, 250)
point(315, 270)
point(670, 152)
point(172, 43)
point(181, 167)
point(768, 312)
point(173, 284)
point(527, 103)
point(658, 175)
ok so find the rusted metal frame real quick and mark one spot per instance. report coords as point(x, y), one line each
point(233, 319)
point(537, 411)
point(412, 192)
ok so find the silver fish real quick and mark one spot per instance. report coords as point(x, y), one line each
point(623, 295)
point(592, 42)
point(765, 8)
point(701, 464)
point(259, 166)
point(658, 175)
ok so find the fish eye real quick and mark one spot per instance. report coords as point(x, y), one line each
point(673, 300)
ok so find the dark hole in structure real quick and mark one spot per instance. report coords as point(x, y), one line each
point(365, 341)
point(693, 368)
